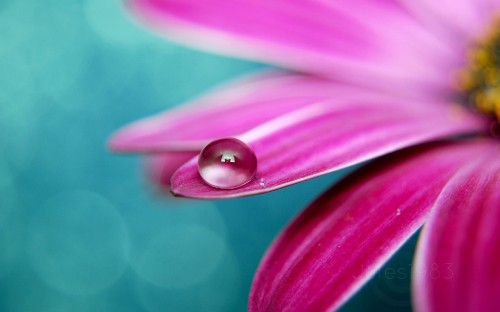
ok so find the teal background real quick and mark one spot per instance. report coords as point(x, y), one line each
point(81, 228)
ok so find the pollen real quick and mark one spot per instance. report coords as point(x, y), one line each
point(479, 80)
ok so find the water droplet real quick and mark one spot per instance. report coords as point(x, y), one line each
point(398, 212)
point(262, 183)
point(227, 163)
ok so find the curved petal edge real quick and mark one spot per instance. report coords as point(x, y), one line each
point(456, 265)
point(339, 241)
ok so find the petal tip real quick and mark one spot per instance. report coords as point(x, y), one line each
point(135, 137)
point(120, 141)
point(175, 194)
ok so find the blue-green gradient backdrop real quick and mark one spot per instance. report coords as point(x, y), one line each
point(81, 228)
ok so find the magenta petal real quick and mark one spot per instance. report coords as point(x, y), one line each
point(321, 37)
point(464, 18)
point(161, 167)
point(229, 111)
point(338, 242)
point(457, 263)
point(327, 136)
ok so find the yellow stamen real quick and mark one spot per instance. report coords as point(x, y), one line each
point(480, 79)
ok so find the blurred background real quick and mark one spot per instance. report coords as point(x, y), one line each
point(81, 229)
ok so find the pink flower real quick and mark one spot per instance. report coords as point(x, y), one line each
point(380, 77)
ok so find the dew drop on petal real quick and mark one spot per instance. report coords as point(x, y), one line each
point(262, 183)
point(227, 163)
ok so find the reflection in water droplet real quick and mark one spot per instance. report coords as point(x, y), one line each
point(227, 163)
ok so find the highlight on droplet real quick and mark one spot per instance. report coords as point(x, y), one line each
point(227, 163)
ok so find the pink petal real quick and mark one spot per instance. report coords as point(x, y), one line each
point(161, 167)
point(462, 18)
point(234, 109)
point(328, 38)
point(338, 242)
point(457, 263)
point(327, 136)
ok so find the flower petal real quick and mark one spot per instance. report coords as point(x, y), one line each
point(464, 18)
point(322, 37)
point(457, 263)
point(232, 110)
point(338, 242)
point(325, 137)
point(161, 167)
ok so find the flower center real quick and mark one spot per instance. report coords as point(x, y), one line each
point(480, 79)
